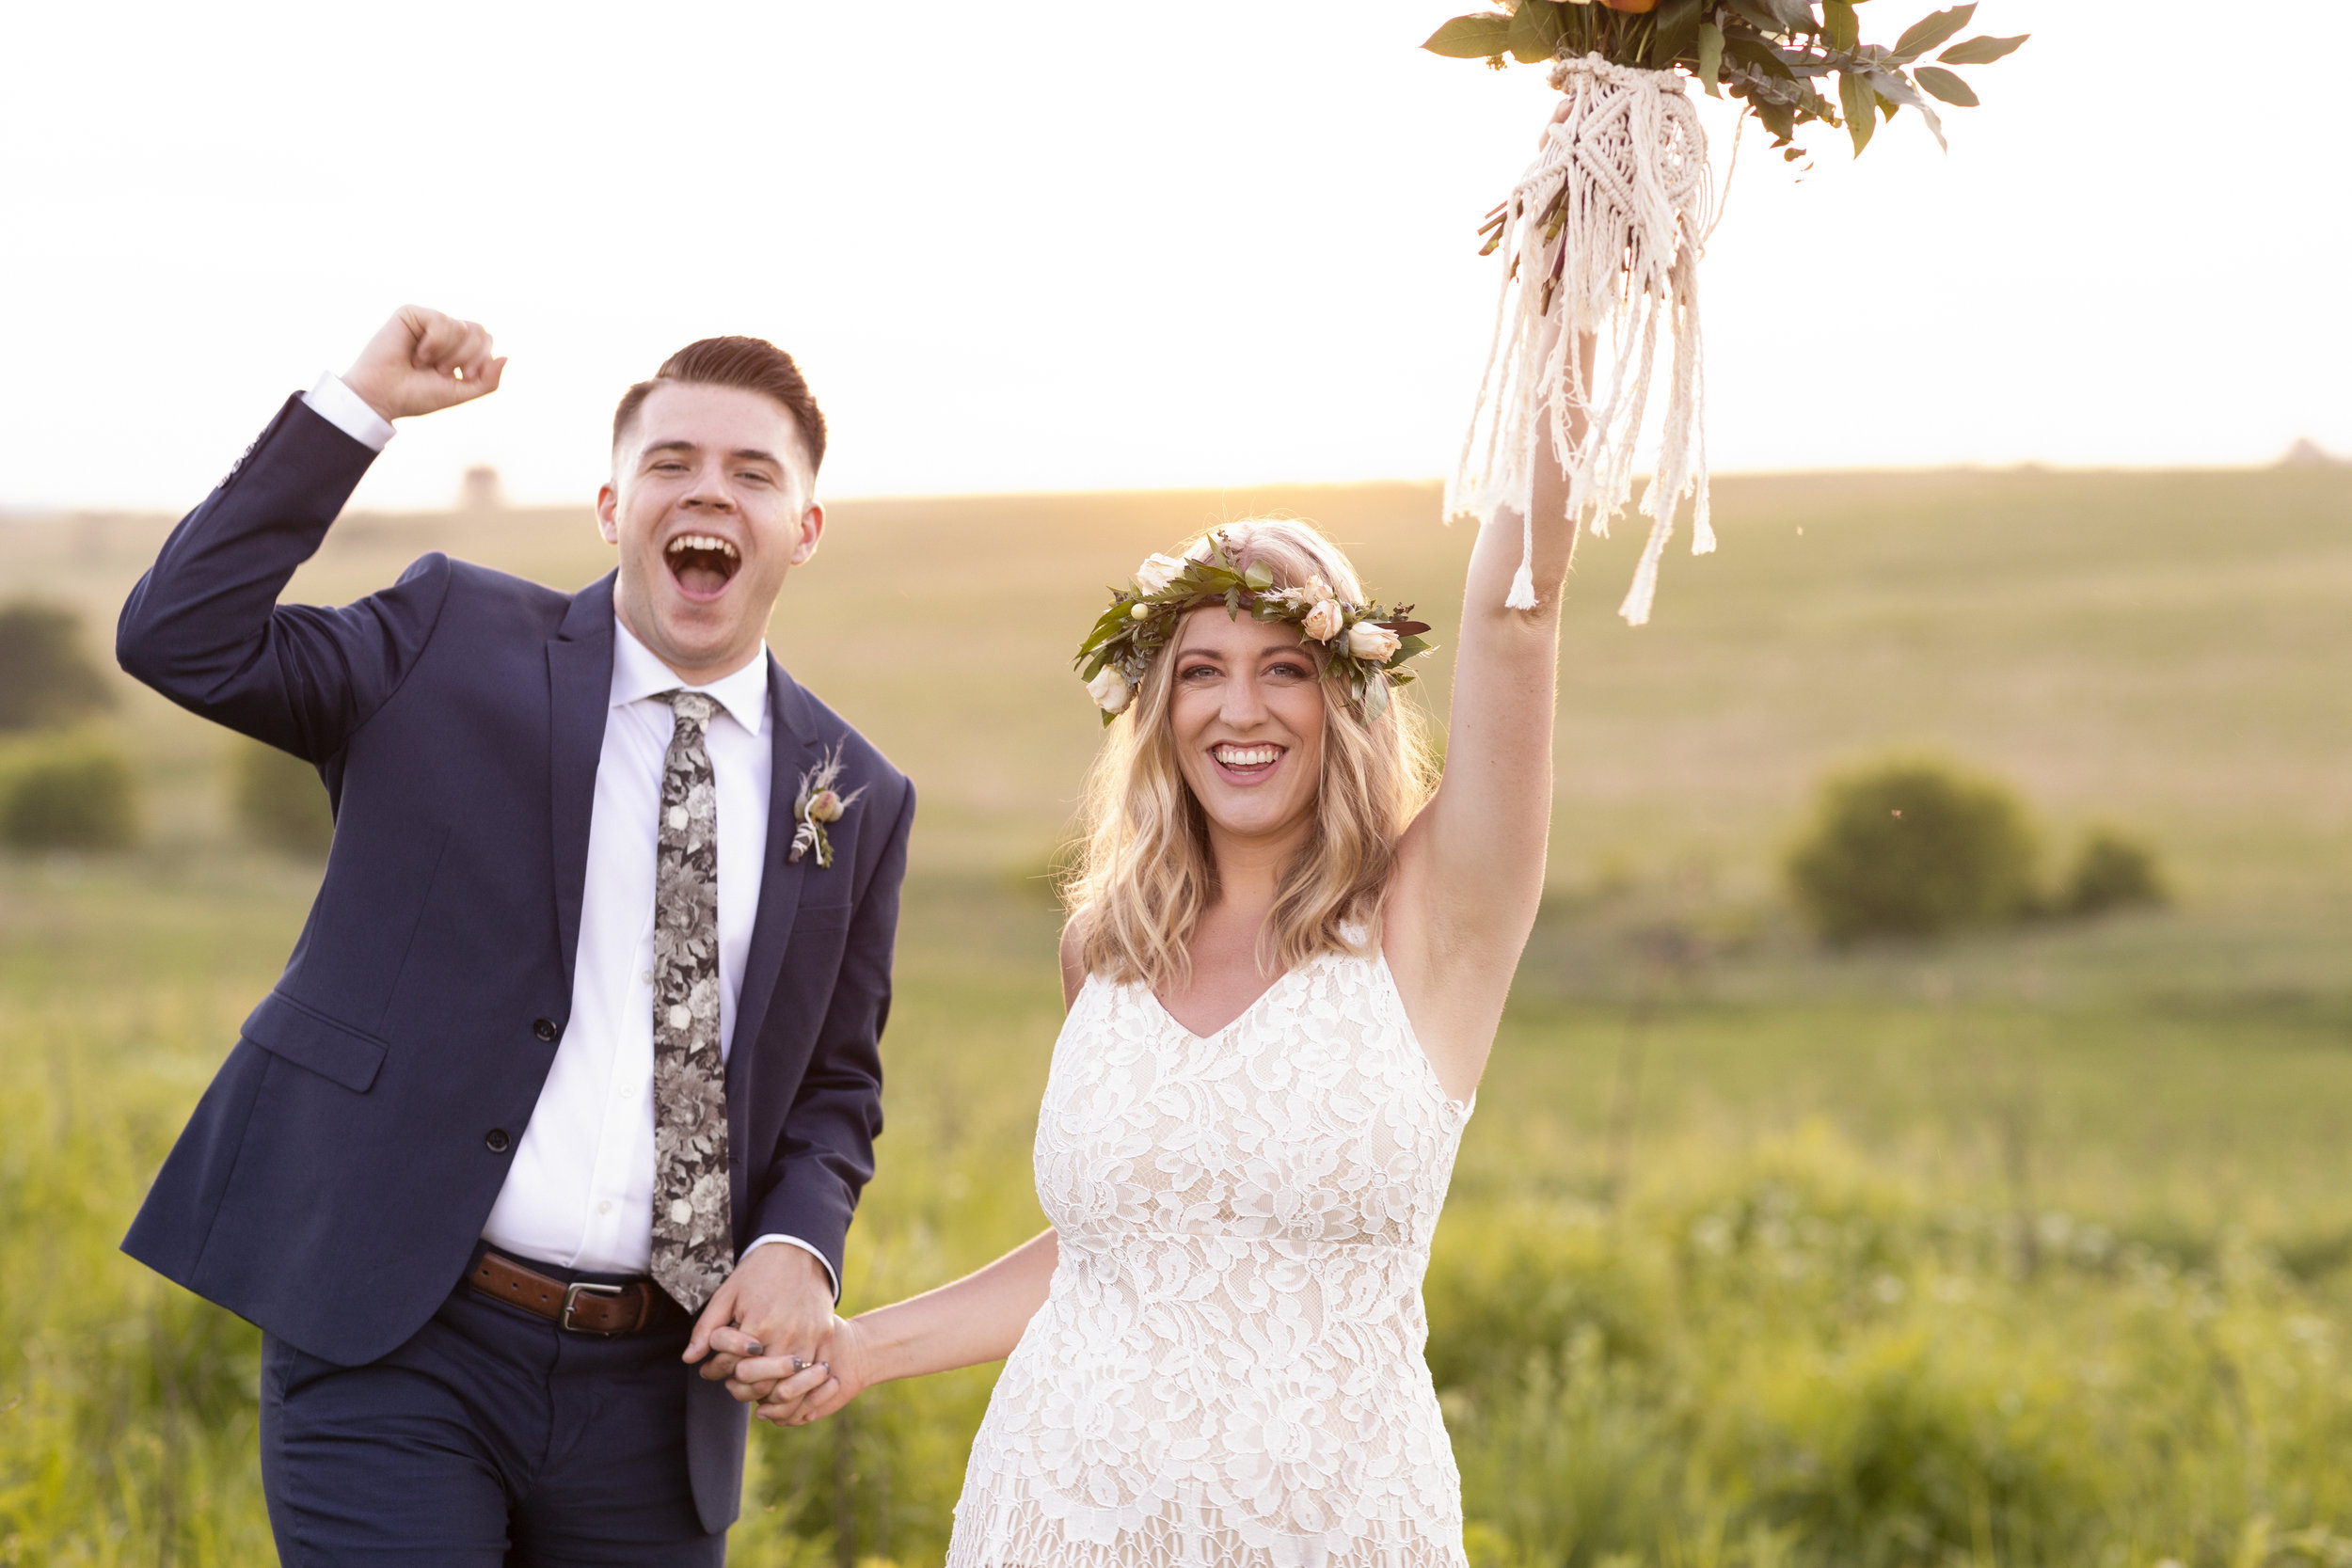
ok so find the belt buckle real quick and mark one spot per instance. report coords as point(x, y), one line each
point(572, 1293)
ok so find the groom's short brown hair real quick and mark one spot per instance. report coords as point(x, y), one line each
point(754, 364)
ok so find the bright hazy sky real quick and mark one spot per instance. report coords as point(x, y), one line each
point(1065, 245)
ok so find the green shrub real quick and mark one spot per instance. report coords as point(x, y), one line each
point(1911, 848)
point(279, 803)
point(45, 676)
point(2113, 872)
point(75, 795)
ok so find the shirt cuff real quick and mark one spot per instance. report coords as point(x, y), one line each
point(348, 412)
point(795, 1241)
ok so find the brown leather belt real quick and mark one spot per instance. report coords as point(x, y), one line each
point(636, 1307)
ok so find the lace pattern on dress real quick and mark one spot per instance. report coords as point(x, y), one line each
point(1229, 1367)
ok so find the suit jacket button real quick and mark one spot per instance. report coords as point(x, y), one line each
point(495, 1140)
point(545, 1029)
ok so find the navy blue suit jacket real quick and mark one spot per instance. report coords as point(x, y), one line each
point(336, 1175)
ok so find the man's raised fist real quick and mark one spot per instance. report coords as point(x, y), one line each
point(421, 361)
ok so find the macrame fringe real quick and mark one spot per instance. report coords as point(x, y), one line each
point(1606, 225)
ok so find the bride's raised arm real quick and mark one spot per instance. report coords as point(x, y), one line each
point(1470, 868)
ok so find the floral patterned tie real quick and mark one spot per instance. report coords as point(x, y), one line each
point(694, 1242)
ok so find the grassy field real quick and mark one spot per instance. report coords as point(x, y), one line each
point(2027, 1248)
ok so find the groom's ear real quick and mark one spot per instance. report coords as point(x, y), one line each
point(607, 513)
point(812, 532)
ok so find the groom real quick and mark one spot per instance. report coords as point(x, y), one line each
point(572, 1080)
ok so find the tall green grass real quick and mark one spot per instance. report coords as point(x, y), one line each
point(1798, 1305)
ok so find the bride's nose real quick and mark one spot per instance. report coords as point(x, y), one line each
point(1245, 701)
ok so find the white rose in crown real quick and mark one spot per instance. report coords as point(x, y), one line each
point(1110, 690)
point(1323, 621)
point(1377, 644)
point(1157, 571)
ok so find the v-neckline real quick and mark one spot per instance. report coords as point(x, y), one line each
point(1227, 1027)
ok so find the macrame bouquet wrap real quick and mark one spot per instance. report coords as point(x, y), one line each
point(1605, 229)
point(1601, 237)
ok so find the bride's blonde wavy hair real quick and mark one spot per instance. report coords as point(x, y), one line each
point(1142, 872)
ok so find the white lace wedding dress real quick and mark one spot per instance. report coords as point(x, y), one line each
point(1228, 1370)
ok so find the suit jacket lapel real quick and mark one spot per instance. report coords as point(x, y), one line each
point(795, 752)
point(580, 699)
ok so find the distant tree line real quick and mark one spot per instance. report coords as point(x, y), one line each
point(1906, 847)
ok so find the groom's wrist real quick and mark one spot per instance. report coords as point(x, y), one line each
point(335, 400)
point(779, 1238)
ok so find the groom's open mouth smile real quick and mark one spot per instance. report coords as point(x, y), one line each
point(702, 564)
point(1245, 764)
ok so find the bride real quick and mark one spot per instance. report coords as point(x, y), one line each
point(1287, 947)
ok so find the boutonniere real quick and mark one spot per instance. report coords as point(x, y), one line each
point(816, 805)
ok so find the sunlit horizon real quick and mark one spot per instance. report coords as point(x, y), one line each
point(1158, 250)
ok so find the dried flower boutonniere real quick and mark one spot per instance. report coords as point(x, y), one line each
point(817, 805)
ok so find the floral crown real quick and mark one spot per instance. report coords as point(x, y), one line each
point(1364, 644)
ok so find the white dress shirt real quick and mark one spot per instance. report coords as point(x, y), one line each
point(579, 1193)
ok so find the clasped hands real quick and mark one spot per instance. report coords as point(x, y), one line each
point(773, 1311)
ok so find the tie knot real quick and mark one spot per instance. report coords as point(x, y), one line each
point(692, 707)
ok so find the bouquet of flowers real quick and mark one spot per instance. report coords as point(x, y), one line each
point(1607, 226)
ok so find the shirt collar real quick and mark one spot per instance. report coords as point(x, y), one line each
point(637, 674)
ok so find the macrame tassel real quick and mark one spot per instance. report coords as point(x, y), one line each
point(1606, 227)
point(1522, 594)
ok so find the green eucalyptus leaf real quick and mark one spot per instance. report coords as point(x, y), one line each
point(1762, 56)
point(1929, 31)
point(1982, 50)
point(1710, 56)
point(1777, 16)
point(1860, 103)
point(1678, 30)
point(1535, 31)
point(1839, 27)
point(1946, 85)
point(1258, 577)
point(1374, 695)
point(1472, 38)
point(1891, 85)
